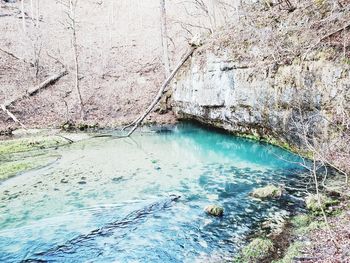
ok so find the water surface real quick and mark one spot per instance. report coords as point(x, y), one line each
point(115, 200)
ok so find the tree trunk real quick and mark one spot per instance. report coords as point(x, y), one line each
point(164, 36)
point(159, 95)
point(23, 17)
point(73, 6)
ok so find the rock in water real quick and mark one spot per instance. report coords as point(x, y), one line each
point(269, 191)
point(214, 210)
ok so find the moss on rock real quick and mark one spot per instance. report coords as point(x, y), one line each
point(214, 210)
point(292, 252)
point(269, 191)
point(257, 250)
point(315, 206)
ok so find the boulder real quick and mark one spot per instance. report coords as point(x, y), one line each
point(266, 192)
point(214, 210)
point(275, 224)
point(314, 206)
point(258, 250)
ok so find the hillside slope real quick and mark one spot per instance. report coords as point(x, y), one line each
point(280, 76)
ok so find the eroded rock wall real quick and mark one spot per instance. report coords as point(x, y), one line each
point(267, 101)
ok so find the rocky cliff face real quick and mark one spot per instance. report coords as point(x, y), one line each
point(273, 102)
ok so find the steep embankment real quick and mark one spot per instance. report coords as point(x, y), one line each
point(119, 63)
point(283, 77)
point(262, 102)
point(278, 75)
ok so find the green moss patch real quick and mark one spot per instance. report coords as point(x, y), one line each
point(312, 226)
point(23, 154)
point(257, 250)
point(292, 252)
point(10, 169)
point(269, 191)
point(315, 206)
point(301, 220)
point(303, 224)
point(273, 141)
point(29, 144)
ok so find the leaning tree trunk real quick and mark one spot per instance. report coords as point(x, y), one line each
point(160, 93)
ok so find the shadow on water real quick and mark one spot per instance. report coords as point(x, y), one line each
point(114, 228)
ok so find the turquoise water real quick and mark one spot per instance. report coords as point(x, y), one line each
point(141, 199)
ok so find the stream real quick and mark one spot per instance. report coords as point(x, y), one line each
point(142, 199)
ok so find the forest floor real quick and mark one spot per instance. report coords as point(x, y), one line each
point(303, 238)
point(119, 75)
point(107, 107)
point(114, 92)
point(323, 246)
point(312, 240)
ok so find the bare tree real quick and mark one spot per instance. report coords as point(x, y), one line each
point(37, 12)
point(73, 26)
point(164, 36)
point(318, 163)
point(23, 17)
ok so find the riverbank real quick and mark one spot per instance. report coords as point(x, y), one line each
point(135, 175)
point(306, 237)
point(28, 149)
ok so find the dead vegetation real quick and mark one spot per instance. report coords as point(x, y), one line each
point(108, 48)
point(267, 33)
point(272, 34)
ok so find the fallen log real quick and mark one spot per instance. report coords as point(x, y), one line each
point(49, 81)
point(52, 79)
point(11, 54)
point(13, 117)
point(136, 123)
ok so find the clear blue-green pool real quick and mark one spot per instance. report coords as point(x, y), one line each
point(114, 200)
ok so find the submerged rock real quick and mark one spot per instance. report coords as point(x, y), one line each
point(214, 210)
point(117, 179)
point(275, 224)
point(174, 197)
point(269, 191)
